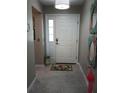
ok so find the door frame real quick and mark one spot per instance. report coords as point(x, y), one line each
point(38, 40)
point(78, 28)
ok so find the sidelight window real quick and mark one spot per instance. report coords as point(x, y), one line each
point(51, 32)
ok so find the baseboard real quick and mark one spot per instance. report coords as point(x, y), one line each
point(82, 71)
point(31, 85)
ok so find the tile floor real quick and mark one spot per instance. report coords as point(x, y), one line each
point(58, 81)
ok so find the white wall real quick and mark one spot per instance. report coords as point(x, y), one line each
point(84, 34)
point(30, 41)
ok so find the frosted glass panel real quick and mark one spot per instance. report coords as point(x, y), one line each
point(51, 38)
point(51, 28)
point(50, 23)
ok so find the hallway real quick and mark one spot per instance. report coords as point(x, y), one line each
point(61, 36)
point(58, 81)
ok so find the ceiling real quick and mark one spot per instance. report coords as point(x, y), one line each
point(52, 2)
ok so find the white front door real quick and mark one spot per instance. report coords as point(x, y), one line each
point(65, 38)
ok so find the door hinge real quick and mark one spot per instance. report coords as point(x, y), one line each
point(76, 41)
point(77, 22)
point(76, 57)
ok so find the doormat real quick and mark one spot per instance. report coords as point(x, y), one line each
point(61, 67)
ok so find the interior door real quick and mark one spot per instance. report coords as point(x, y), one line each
point(66, 38)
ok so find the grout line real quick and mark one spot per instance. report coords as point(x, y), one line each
point(31, 85)
point(83, 73)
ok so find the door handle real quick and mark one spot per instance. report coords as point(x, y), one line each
point(57, 41)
